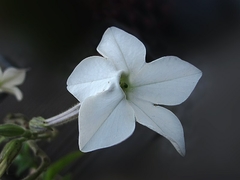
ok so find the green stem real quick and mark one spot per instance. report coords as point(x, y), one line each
point(45, 161)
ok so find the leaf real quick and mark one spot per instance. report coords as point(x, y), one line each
point(26, 157)
point(58, 166)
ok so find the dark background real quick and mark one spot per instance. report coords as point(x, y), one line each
point(52, 37)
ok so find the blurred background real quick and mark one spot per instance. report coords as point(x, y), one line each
point(52, 37)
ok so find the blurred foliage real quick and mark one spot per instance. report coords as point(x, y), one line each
point(25, 156)
point(58, 166)
point(19, 138)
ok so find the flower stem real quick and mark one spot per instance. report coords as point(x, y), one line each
point(64, 117)
point(45, 161)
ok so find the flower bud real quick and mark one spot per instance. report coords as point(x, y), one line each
point(37, 124)
point(8, 154)
point(11, 130)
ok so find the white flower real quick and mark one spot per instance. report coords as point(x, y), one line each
point(9, 79)
point(120, 88)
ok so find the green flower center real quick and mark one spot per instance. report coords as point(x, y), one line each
point(124, 83)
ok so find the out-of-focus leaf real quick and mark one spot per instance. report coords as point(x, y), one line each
point(26, 157)
point(67, 177)
point(2, 139)
point(11, 130)
point(8, 154)
point(58, 166)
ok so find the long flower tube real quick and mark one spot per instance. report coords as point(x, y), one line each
point(64, 117)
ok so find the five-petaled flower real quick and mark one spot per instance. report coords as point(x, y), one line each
point(120, 88)
point(9, 79)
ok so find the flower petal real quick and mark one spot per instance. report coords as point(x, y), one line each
point(126, 51)
point(13, 76)
point(91, 76)
point(168, 80)
point(12, 90)
point(161, 121)
point(105, 120)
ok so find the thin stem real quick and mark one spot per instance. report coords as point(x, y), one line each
point(64, 117)
point(45, 161)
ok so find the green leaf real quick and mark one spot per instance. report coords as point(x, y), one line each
point(8, 154)
point(2, 139)
point(58, 166)
point(24, 160)
point(67, 177)
point(11, 130)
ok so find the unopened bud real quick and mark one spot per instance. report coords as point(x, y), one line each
point(8, 154)
point(11, 130)
point(3, 167)
point(37, 124)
